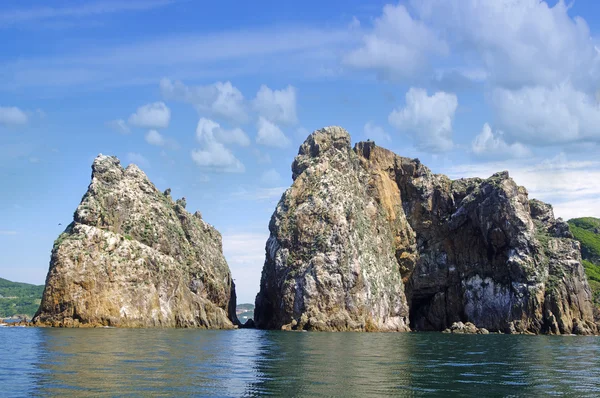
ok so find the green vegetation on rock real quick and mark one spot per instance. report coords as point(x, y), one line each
point(587, 231)
point(19, 298)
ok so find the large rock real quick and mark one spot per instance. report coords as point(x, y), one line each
point(364, 234)
point(330, 257)
point(135, 258)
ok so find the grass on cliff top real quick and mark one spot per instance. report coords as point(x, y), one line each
point(19, 298)
point(587, 231)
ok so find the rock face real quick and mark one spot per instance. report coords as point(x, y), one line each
point(330, 258)
point(133, 257)
point(368, 240)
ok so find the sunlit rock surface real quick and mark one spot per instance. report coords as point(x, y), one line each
point(368, 240)
point(133, 257)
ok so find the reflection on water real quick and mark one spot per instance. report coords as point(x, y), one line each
point(62, 362)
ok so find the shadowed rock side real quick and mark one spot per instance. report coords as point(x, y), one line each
point(364, 234)
point(133, 257)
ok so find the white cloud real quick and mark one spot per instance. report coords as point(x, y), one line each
point(12, 116)
point(492, 145)
point(153, 137)
point(398, 46)
point(270, 177)
point(7, 232)
point(523, 42)
point(138, 159)
point(234, 136)
point(10, 17)
point(212, 129)
point(275, 50)
point(119, 125)
point(269, 134)
point(213, 154)
point(155, 115)
point(545, 116)
point(278, 106)
point(376, 133)
point(220, 99)
point(427, 118)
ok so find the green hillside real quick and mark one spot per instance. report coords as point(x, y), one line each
point(19, 298)
point(587, 231)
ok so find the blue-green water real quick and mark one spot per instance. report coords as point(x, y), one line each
point(134, 362)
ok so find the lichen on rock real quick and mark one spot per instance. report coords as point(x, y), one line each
point(134, 258)
point(367, 240)
point(330, 261)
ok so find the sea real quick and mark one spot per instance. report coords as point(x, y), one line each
point(236, 363)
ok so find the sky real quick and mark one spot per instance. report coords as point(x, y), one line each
point(213, 99)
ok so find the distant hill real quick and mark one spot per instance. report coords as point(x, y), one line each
point(244, 312)
point(245, 307)
point(19, 298)
point(587, 231)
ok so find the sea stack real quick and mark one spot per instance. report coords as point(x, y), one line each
point(367, 240)
point(134, 257)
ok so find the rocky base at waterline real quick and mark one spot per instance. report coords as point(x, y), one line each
point(133, 257)
point(367, 240)
point(465, 328)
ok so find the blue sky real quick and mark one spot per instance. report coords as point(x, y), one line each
point(213, 100)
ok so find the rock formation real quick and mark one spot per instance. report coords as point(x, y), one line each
point(133, 257)
point(368, 240)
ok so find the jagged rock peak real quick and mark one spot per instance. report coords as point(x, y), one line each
point(324, 142)
point(367, 240)
point(132, 257)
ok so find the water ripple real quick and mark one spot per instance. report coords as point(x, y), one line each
point(164, 362)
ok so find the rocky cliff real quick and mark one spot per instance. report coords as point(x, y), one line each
point(133, 257)
point(368, 240)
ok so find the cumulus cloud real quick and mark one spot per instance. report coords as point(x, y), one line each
point(235, 136)
point(222, 100)
point(153, 137)
point(376, 133)
point(155, 115)
point(213, 154)
point(492, 145)
point(398, 46)
point(278, 106)
point(545, 116)
point(119, 125)
point(427, 118)
point(12, 116)
point(269, 134)
point(538, 44)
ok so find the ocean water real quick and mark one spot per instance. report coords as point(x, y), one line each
point(180, 362)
